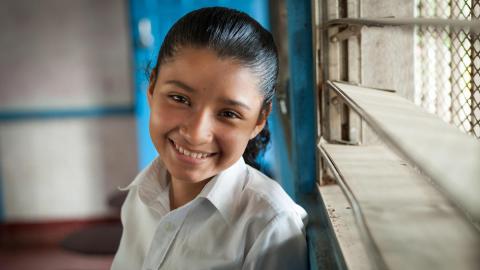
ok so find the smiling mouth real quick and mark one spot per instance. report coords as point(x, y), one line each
point(189, 153)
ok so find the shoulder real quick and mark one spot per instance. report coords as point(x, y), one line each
point(275, 233)
point(266, 200)
point(261, 187)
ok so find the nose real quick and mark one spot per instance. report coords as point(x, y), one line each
point(197, 130)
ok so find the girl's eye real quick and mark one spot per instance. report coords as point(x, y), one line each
point(180, 99)
point(229, 114)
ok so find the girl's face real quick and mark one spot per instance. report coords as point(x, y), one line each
point(204, 110)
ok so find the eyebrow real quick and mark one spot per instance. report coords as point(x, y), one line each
point(228, 101)
point(232, 102)
point(181, 85)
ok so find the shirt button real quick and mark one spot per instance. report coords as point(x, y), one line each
point(169, 227)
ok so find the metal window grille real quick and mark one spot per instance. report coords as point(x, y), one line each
point(448, 64)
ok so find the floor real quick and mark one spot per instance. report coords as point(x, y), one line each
point(42, 247)
point(53, 258)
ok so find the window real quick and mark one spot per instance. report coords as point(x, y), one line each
point(448, 64)
point(395, 177)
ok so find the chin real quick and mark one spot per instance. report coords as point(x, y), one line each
point(189, 177)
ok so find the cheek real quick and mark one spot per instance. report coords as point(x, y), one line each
point(234, 140)
point(163, 119)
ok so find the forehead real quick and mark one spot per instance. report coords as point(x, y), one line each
point(204, 71)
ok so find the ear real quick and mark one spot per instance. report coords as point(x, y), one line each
point(262, 120)
point(151, 87)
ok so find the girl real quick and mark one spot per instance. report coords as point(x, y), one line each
point(199, 205)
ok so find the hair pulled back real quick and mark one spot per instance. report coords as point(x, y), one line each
point(231, 34)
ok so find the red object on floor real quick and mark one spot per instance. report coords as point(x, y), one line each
point(102, 239)
point(37, 246)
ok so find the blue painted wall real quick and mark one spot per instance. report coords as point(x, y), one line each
point(19, 115)
point(302, 94)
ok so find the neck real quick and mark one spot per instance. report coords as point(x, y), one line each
point(182, 192)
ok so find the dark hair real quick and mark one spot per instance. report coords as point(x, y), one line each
point(234, 35)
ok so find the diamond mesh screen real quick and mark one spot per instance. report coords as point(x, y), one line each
point(448, 64)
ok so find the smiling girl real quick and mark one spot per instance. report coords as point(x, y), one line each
point(199, 205)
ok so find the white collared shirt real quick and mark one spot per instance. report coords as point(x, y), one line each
point(241, 220)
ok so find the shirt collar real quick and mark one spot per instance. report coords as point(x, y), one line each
point(151, 182)
point(223, 189)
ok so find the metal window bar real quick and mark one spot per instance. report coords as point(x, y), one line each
point(447, 57)
point(448, 64)
point(450, 161)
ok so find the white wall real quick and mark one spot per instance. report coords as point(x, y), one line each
point(64, 55)
point(387, 54)
point(65, 169)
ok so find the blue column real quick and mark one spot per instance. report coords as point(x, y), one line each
point(160, 16)
point(302, 94)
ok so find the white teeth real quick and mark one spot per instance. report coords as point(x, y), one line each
point(190, 154)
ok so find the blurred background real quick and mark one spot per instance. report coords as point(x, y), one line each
point(74, 126)
point(73, 122)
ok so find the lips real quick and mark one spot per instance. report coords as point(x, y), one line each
point(190, 153)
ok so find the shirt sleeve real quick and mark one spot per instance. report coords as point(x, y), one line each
point(281, 245)
point(119, 259)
